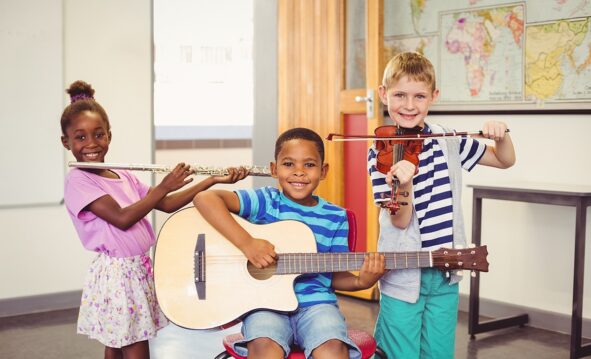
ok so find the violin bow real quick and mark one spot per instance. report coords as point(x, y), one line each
point(338, 137)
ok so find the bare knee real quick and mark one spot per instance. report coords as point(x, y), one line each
point(264, 348)
point(332, 348)
point(113, 353)
point(139, 350)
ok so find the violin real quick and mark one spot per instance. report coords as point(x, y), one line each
point(390, 151)
point(395, 144)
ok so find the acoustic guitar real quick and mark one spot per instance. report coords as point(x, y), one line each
point(203, 281)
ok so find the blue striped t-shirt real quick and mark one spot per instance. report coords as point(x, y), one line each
point(327, 221)
point(432, 196)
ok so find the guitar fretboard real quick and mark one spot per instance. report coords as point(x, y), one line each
point(295, 263)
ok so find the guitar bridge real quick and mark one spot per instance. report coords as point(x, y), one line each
point(199, 266)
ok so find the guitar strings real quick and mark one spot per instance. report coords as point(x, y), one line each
point(312, 262)
point(306, 258)
point(331, 260)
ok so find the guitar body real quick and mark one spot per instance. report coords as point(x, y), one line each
point(203, 281)
point(230, 290)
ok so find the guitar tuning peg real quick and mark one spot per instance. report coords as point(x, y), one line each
point(459, 273)
point(472, 245)
point(473, 274)
point(446, 274)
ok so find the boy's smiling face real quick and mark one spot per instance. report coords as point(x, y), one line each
point(299, 170)
point(408, 101)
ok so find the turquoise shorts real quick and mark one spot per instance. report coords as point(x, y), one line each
point(308, 327)
point(425, 329)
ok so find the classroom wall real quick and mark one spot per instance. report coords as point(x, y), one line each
point(107, 43)
point(531, 245)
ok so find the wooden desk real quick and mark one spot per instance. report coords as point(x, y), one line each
point(560, 195)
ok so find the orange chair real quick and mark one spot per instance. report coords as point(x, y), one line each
point(365, 342)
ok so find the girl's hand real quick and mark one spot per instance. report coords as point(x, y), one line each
point(260, 253)
point(494, 130)
point(234, 175)
point(403, 170)
point(374, 267)
point(177, 178)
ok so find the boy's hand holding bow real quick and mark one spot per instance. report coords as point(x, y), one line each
point(494, 130)
point(502, 153)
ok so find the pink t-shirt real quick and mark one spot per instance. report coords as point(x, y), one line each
point(96, 234)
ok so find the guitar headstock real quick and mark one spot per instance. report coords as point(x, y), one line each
point(473, 259)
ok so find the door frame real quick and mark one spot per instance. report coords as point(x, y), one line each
point(374, 67)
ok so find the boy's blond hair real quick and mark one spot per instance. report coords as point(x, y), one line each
point(412, 64)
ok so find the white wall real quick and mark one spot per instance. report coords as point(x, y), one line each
point(108, 44)
point(531, 246)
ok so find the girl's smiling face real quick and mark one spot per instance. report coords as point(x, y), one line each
point(299, 169)
point(88, 137)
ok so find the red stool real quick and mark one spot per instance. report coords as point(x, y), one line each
point(365, 342)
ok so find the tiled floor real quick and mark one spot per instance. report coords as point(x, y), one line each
point(52, 335)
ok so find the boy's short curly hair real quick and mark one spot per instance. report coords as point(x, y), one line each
point(412, 64)
point(300, 133)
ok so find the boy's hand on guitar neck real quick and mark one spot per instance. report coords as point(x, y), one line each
point(374, 267)
point(259, 252)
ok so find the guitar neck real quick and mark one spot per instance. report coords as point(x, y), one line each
point(299, 263)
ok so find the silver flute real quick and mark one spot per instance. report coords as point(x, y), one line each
point(199, 170)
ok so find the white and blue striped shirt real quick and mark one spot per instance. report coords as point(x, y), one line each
point(432, 196)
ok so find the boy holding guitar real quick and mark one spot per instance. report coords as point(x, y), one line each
point(317, 325)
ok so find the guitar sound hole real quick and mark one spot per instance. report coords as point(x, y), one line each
point(261, 274)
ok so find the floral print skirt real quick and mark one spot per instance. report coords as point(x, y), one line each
point(118, 305)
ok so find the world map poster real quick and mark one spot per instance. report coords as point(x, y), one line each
point(498, 55)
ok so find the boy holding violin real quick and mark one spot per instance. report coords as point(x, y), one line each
point(418, 184)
